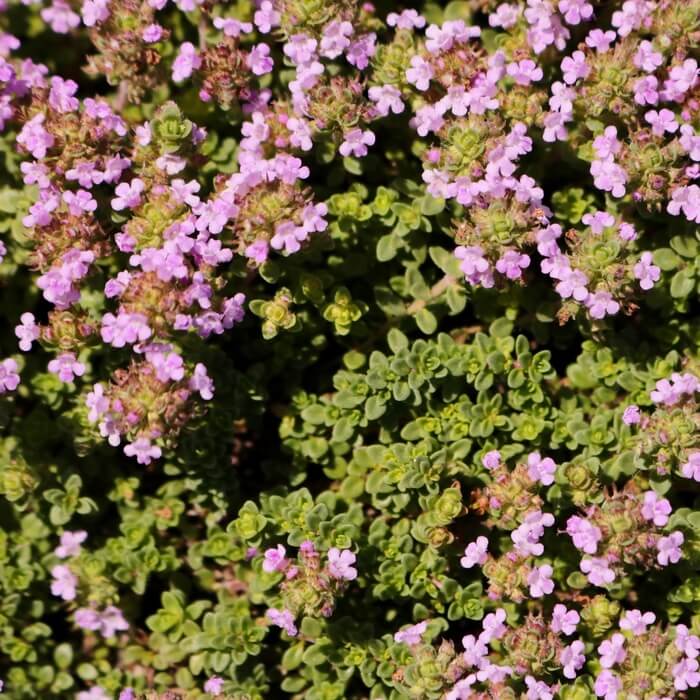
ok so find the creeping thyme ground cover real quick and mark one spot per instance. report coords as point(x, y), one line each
point(349, 350)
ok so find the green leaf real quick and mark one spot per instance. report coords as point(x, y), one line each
point(426, 321)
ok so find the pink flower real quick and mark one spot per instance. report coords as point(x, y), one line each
point(538, 690)
point(491, 459)
point(601, 304)
point(612, 651)
point(9, 377)
point(540, 581)
point(335, 38)
point(475, 553)
point(685, 674)
point(214, 685)
point(597, 571)
point(27, 331)
point(259, 60)
point(607, 685)
point(572, 658)
point(66, 367)
point(656, 509)
point(646, 58)
point(646, 272)
point(64, 582)
point(408, 19)
point(128, 195)
point(574, 67)
point(511, 264)
point(669, 548)
point(645, 90)
point(35, 138)
point(355, 143)
point(70, 544)
point(419, 74)
point(143, 450)
point(201, 382)
point(186, 62)
point(275, 559)
point(493, 627)
point(599, 40)
point(691, 468)
point(607, 145)
point(598, 221)
point(637, 622)
point(505, 16)
point(340, 564)
point(524, 72)
point(575, 11)
point(564, 620)
point(661, 122)
point(283, 619)
point(609, 177)
point(474, 265)
point(584, 534)
point(541, 470)
point(631, 416)
point(411, 635)
point(266, 17)
point(386, 98)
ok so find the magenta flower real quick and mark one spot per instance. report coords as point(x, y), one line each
point(340, 564)
point(685, 674)
point(598, 221)
point(386, 98)
point(475, 553)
